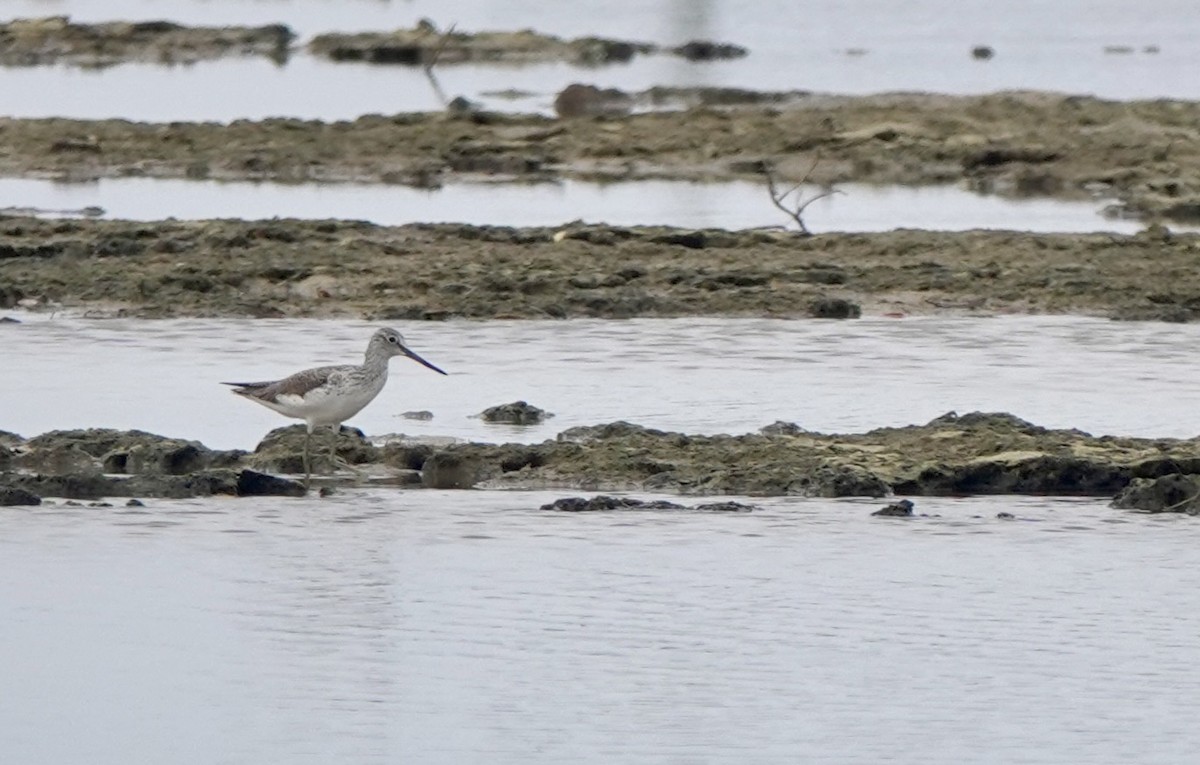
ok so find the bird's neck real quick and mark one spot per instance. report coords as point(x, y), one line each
point(376, 360)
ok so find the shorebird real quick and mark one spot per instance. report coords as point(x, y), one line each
point(331, 395)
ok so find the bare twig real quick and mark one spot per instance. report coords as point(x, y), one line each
point(795, 212)
point(432, 62)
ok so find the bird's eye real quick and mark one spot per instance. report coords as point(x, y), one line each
point(392, 339)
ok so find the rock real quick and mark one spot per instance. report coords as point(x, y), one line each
point(902, 508)
point(982, 52)
point(516, 413)
point(834, 308)
point(135, 503)
point(81, 486)
point(448, 469)
point(1174, 493)
point(116, 451)
point(420, 415)
point(1006, 516)
point(578, 100)
point(1021, 473)
point(605, 502)
point(251, 483)
point(405, 456)
point(781, 428)
point(57, 459)
point(282, 449)
point(724, 507)
point(705, 50)
point(840, 481)
point(11, 496)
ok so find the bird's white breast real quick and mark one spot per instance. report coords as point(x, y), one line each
point(330, 404)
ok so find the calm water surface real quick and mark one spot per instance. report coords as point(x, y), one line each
point(691, 375)
point(866, 46)
point(731, 205)
point(469, 627)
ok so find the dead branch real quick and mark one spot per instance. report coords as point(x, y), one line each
point(432, 62)
point(800, 204)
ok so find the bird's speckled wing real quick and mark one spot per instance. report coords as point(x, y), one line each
point(296, 385)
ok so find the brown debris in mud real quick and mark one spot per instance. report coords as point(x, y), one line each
point(431, 272)
point(56, 39)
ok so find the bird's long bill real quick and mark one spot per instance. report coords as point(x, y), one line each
point(409, 352)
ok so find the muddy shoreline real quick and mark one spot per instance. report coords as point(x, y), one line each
point(976, 453)
point(291, 268)
point(1143, 153)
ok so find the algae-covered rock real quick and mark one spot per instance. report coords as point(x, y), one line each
point(516, 413)
point(12, 496)
point(1175, 493)
point(282, 449)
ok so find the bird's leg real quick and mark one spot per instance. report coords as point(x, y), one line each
point(337, 461)
point(307, 468)
point(333, 458)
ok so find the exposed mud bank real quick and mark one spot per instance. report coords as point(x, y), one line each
point(58, 40)
point(952, 455)
point(424, 44)
point(344, 268)
point(1144, 153)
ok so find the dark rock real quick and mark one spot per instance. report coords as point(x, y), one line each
point(605, 502)
point(11, 496)
point(1060, 475)
point(9, 320)
point(80, 486)
point(834, 308)
point(781, 428)
point(405, 456)
point(449, 469)
point(611, 430)
point(1006, 516)
point(839, 481)
point(421, 415)
point(705, 50)
point(902, 508)
point(135, 503)
point(578, 100)
point(724, 507)
point(327, 491)
point(202, 484)
point(516, 413)
point(1175, 493)
point(251, 483)
point(982, 52)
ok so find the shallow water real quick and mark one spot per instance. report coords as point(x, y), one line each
point(913, 46)
point(730, 205)
point(443, 627)
point(690, 375)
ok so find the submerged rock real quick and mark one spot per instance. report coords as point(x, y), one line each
point(1175, 493)
point(516, 413)
point(902, 508)
point(11, 496)
point(251, 483)
point(605, 502)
